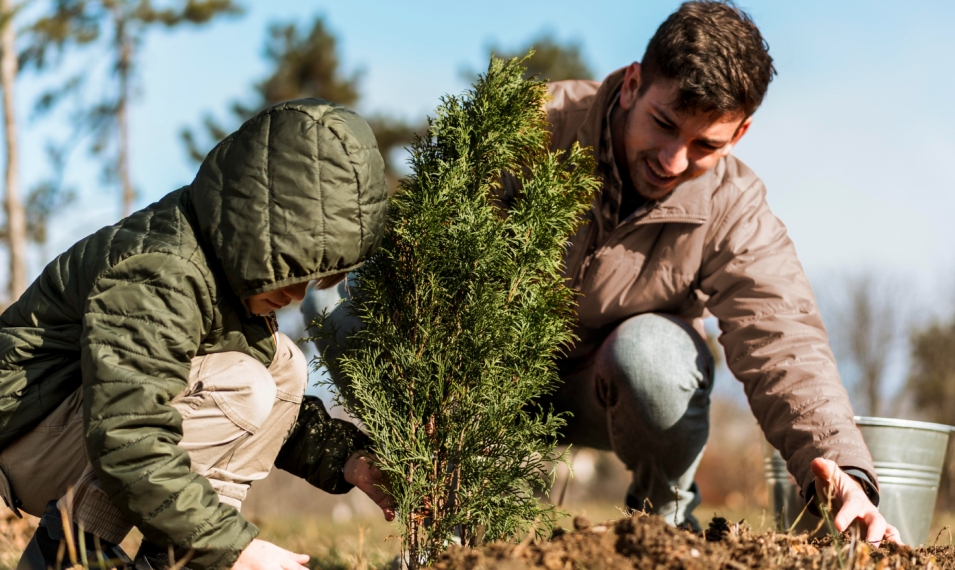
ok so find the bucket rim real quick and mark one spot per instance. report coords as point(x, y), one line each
point(911, 424)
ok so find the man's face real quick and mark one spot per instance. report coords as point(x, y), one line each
point(664, 147)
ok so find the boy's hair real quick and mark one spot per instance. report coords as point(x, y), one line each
point(715, 53)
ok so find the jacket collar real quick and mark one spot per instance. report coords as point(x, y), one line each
point(689, 203)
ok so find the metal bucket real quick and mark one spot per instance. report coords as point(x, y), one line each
point(908, 458)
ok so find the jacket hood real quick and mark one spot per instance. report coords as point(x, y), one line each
point(297, 193)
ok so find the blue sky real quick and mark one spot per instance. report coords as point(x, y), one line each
point(854, 140)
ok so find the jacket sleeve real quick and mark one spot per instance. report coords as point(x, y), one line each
point(775, 340)
point(319, 445)
point(143, 322)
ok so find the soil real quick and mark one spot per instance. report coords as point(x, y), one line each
point(645, 541)
point(15, 533)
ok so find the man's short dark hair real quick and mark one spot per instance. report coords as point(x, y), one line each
point(715, 53)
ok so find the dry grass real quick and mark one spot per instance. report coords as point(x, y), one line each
point(14, 535)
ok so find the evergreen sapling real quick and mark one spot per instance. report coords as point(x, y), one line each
point(464, 310)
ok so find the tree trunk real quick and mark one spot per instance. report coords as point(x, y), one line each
point(16, 216)
point(124, 64)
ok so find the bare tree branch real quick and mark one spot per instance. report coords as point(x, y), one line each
point(867, 328)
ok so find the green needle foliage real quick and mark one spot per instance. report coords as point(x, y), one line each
point(464, 310)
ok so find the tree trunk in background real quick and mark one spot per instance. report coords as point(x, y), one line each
point(16, 216)
point(123, 66)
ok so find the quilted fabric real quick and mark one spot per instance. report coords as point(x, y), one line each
point(298, 192)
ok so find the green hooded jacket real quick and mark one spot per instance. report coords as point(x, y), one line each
point(297, 193)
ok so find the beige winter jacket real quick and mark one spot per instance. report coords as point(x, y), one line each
point(711, 247)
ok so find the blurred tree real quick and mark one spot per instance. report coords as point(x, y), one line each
point(931, 384)
point(118, 28)
point(303, 65)
point(15, 230)
point(46, 198)
point(553, 60)
point(43, 200)
point(867, 329)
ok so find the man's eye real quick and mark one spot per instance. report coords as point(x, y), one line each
point(663, 125)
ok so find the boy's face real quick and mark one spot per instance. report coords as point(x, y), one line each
point(265, 303)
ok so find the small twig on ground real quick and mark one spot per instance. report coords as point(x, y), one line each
point(676, 511)
point(939, 535)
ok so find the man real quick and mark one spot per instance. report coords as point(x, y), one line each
point(681, 229)
point(143, 381)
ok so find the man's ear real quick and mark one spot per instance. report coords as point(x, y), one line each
point(630, 87)
point(740, 131)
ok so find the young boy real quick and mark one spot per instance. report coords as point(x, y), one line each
point(142, 379)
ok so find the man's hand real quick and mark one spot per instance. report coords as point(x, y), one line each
point(850, 502)
point(261, 555)
point(360, 471)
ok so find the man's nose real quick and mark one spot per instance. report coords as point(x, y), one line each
point(673, 159)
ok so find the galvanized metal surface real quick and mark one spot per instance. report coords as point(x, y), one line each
point(908, 458)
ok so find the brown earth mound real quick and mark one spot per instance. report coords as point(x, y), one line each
point(648, 542)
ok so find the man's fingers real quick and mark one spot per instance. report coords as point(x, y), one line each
point(846, 494)
point(876, 525)
point(892, 535)
point(850, 511)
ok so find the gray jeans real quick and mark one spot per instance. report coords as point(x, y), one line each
point(644, 394)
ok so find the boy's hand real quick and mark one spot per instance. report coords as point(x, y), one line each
point(850, 503)
point(360, 471)
point(261, 555)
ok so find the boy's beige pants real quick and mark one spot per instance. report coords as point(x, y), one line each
point(236, 414)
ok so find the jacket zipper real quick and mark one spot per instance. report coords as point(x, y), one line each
point(272, 322)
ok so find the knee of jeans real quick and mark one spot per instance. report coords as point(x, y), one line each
point(660, 364)
point(290, 369)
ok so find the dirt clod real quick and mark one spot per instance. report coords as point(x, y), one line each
point(648, 542)
point(719, 527)
point(581, 523)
